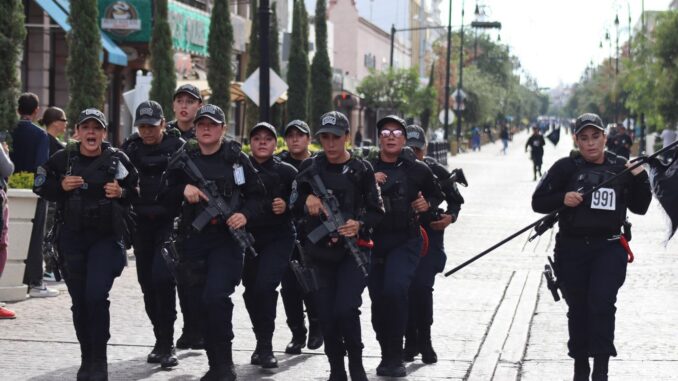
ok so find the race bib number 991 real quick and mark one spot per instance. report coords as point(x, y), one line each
point(604, 199)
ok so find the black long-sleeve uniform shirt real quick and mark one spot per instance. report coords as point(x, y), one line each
point(277, 177)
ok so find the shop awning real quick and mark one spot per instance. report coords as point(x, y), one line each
point(58, 11)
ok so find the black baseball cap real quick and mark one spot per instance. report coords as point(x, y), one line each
point(299, 125)
point(211, 111)
point(334, 123)
point(588, 120)
point(416, 137)
point(92, 113)
point(149, 113)
point(188, 89)
point(392, 119)
point(264, 125)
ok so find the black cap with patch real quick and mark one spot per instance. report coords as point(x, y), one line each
point(416, 137)
point(588, 120)
point(213, 112)
point(298, 125)
point(334, 123)
point(92, 113)
point(149, 113)
point(392, 119)
point(190, 90)
point(266, 126)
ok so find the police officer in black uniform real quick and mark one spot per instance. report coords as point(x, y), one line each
point(408, 188)
point(92, 184)
point(150, 150)
point(622, 142)
point(297, 136)
point(590, 262)
point(185, 104)
point(211, 257)
point(420, 318)
point(274, 235)
point(536, 144)
point(341, 281)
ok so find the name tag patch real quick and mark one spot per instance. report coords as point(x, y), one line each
point(238, 174)
point(604, 199)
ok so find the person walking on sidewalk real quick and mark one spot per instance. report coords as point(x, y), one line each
point(409, 189)
point(210, 259)
point(150, 150)
point(297, 136)
point(536, 144)
point(420, 316)
point(93, 184)
point(590, 258)
point(351, 181)
point(274, 238)
point(504, 135)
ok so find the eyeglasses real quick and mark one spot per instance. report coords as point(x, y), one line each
point(385, 133)
point(63, 120)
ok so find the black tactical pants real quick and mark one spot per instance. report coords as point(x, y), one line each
point(590, 272)
point(294, 300)
point(92, 262)
point(155, 279)
point(216, 261)
point(421, 290)
point(261, 277)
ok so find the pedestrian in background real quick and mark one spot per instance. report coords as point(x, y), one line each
point(590, 257)
point(504, 135)
point(297, 136)
point(30, 149)
point(668, 136)
point(536, 145)
point(622, 142)
point(93, 184)
point(6, 170)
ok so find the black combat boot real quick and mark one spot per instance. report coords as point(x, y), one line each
point(600, 365)
point(393, 361)
point(154, 356)
point(337, 370)
point(315, 334)
point(411, 348)
point(298, 340)
point(267, 359)
point(381, 368)
point(221, 365)
point(85, 363)
point(168, 357)
point(355, 365)
point(581, 369)
point(255, 359)
point(98, 370)
point(428, 355)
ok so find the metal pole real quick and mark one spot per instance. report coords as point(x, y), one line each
point(393, 32)
point(447, 73)
point(616, 72)
point(461, 77)
point(264, 79)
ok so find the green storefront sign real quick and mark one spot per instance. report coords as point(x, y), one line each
point(132, 21)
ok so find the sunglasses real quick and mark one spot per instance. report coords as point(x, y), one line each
point(385, 133)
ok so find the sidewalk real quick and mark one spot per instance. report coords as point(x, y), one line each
point(494, 320)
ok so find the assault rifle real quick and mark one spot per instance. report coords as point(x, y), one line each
point(333, 221)
point(551, 281)
point(216, 205)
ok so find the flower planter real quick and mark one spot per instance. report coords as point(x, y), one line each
point(22, 203)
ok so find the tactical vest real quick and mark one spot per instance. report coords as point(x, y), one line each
point(604, 211)
point(273, 184)
point(399, 214)
point(151, 162)
point(219, 172)
point(88, 207)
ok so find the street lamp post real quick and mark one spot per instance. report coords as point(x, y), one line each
point(447, 74)
point(616, 71)
point(461, 78)
point(264, 79)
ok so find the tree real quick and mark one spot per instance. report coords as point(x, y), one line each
point(12, 35)
point(297, 74)
point(162, 63)
point(321, 71)
point(274, 54)
point(219, 47)
point(86, 79)
point(252, 114)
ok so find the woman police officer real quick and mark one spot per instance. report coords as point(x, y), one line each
point(589, 258)
point(92, 184)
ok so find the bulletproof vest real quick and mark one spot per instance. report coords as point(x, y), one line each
point(603, 211)
point(151, 162)
point(219, 170)
point(273, 184)
point(399, 214)
point(88, 207)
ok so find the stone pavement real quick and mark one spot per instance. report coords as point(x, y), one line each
point(494, 320)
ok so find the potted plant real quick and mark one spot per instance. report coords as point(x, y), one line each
point(22, 202)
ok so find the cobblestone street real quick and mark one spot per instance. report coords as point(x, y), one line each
point(494, 320)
